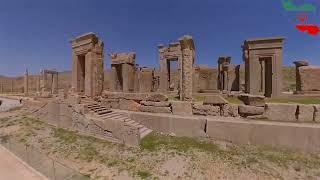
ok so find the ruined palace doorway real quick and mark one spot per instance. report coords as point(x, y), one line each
point(82, 72)
point(173, 74)
point(266, 76)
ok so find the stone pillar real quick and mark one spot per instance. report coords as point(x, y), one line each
point(54, 83)
point(38, 83)
point(114, 79)
point(88, 75)
point(26, 82)
point(163, 70)
point(11, 85)
point(187, 47)
point(146, 80)
point(196, 79)
point(127, 77)
point(299, 64)
point(137, 78)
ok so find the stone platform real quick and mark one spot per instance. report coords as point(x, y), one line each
point(302, 136)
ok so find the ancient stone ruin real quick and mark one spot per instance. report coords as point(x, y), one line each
point(87, 65)
point(127, 101)
point(263, 63)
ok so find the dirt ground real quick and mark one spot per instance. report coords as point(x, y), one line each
point(159, 156)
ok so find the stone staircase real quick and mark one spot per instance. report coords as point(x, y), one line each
point(106, 114)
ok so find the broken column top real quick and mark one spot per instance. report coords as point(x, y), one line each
point(186, 42)
point(122, 58)
point(300, 63)
point(224, 60)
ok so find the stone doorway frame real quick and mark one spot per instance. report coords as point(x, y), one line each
point(184, 52)
point(91, 48)
point(254, 50)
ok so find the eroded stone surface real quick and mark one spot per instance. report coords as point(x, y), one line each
point(317, 113)
point(305, 113)
point(252, 100)
point(245, 110)
point(157, 97)
point(157, 104)
point(181, 107)
point(228, 110)
point(154, 109)
point(281, 112)
point(206, 110)
point(214, 100)
point(129, 105)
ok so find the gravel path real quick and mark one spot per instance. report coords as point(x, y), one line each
point(8, 104)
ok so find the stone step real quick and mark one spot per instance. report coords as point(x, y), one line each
point(96, 107)
point(105, 112)
point(143, 129)
point(113, 118)
point(113, 115)
point(101, 109)
point(120, 117)
point(145, 133)
point(106, 115)
point(130, 122)
point(93, 105)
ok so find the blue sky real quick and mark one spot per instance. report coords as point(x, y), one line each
point(35, 34)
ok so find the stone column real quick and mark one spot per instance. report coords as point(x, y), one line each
point(38, 83)
point(196, 79)
point(88, 75)
point(114, 79)
point(26, 82)
point(54, 83)
point(126, 73)
point(163, 70)
point(11, 85)
point(299, 64)
point(187, 47)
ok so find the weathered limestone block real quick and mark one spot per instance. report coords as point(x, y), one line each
point(252, 100)
point(157, 104)
point(157, 97)
point(181, 107)
point(281, 112)
point(129, 105)
point(305, 113)
point(170, 124)
point(214, 100)
point(131, 136)
point(317, 113)
point(309, 78)
point(228, 110)
point(245, 110)
point(206, 110)
point(121, 95)
point(154, 109)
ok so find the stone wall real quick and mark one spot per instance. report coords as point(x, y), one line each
point(309, 78)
